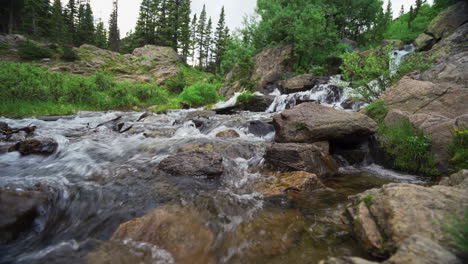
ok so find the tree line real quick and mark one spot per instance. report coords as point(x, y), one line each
point(72, 24)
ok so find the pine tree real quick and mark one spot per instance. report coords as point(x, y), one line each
point(35, 17)
point(163, 24)
point(402, 11)
point(193, 37)
point(100, 37)
point(57, 23)
point(201, 29)
point(208, 43)
point(145, 28)
point(114, 33)
point(85, 27)
point(411, 16)
point(221, 36)
point(71, 15)
point(184, 29)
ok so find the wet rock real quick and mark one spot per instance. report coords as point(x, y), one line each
point(18, 211)
point(448, 20)
point(310, 122)
point(350, 104)
point(258, 103)
point(179, 230)
point(271, 233)
point(346, 260)
point(35, 147)
point(459, 179)
point(295, 181)
point(259, 128)
point(231, 133)
point(195, 162)
point(398, 211)
point(424, 42)
point(200, 114)
point(313, 158)
point(300, 83)
point(271, 64)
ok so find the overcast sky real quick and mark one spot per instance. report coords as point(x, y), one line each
point(235, 10)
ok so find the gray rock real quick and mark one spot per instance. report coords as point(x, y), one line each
point(195, 162)
point(448, 20)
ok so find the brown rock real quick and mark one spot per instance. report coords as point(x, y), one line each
point(300, 83)
point(194, 162)
point(33, 146)
point(178, 230)
point(296, 181)
point(231, 133)
point(459, 179)
point(424, 42)
point(311, 122)
point(271, 64)
point(313, 158)
point(157, 53)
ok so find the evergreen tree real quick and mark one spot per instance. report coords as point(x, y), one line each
point(35, 17)
point(100, 37)
point(184, 29)
point(163, 29)
point(71, 15)
point(208, 43)
point(193, 37)
point(58, 29)
point(411, 16)
point(402, 11)
point(220, 40)
point(85, 27)
point(201, 30)
point(173, 22)
point(114, 33)
point(145, 28)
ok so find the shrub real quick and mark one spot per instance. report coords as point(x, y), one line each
point(407, 149)
point(244, 98)
point(458, 150)
point(69, 54)
point(176, 84)
point(377, 111)
point(31, 51)
point(199, 94)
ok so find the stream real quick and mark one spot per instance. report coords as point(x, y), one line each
point(100, 178)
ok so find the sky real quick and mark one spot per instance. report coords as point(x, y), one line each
point(235, 10)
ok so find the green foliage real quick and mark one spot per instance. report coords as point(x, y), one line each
point(368, 200)
point(31, 51)
point(4, 47)
point(457, 230)
point(20, 108)
point(176, 84)
point(69, 54)
point(245, 98)
point(377, 111)
point(458, 150)
point(199, 94)
point(407, 149)
point(27, 83)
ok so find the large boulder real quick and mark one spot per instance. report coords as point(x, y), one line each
point(295, 181)
point(18, 211)
point(193, 162)
point(176, 229)
point(163, 71)
point(271, 65)
point(157, 53)
point(313, 158)
point(382, 219)
point(448, 20)
point(34, 146)
point(459, 180)
point(300, 83)
point(311, 122)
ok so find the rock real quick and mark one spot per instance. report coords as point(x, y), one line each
point(195, 162)
point(259, 128)
point(311, 122)
point(12, 39)
point(448, 20)
point(179, 230)
point(347, 260)
point(295, 181)
point(136, 78)
point(258, 103)
point(395, 116)
point(424, 42)
point(157, 53)
point(353, 44)
point(34, 146)
point(270, 65)
point(313, 158)
point(300, 83)
point(394, 43)
point(18, 211)
point(231, 133)
point(350, 104)
point(164, 71)
point(398, 211)
point(61, 69)
point(98, 51)
point(458, 179)
point(416, 96)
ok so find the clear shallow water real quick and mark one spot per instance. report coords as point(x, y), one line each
point(100, 178)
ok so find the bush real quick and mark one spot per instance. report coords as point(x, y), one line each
point(176, 84)
point(31, 51)
point(458, 150)
point(69, 54)
point(199, 94)
point(377, 111)
point(407, 149)
point(245, 98)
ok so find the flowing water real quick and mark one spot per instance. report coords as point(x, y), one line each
point(99, 178)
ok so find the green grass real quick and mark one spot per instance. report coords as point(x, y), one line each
point(200, 94)
point(458, 150)
point(245, 97)
point(377, 110)
point(407, 149)
point(40, 92)
point(457, 230)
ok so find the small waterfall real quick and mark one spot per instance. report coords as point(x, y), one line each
point(396, 57)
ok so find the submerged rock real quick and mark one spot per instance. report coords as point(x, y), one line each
point(34, 146)
point(18, 211)
point(310, 122)
point(179, 230)
point(231, 133)
point(313, 158)
point(295, 181)
point(195, 162)
point(259, 128)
